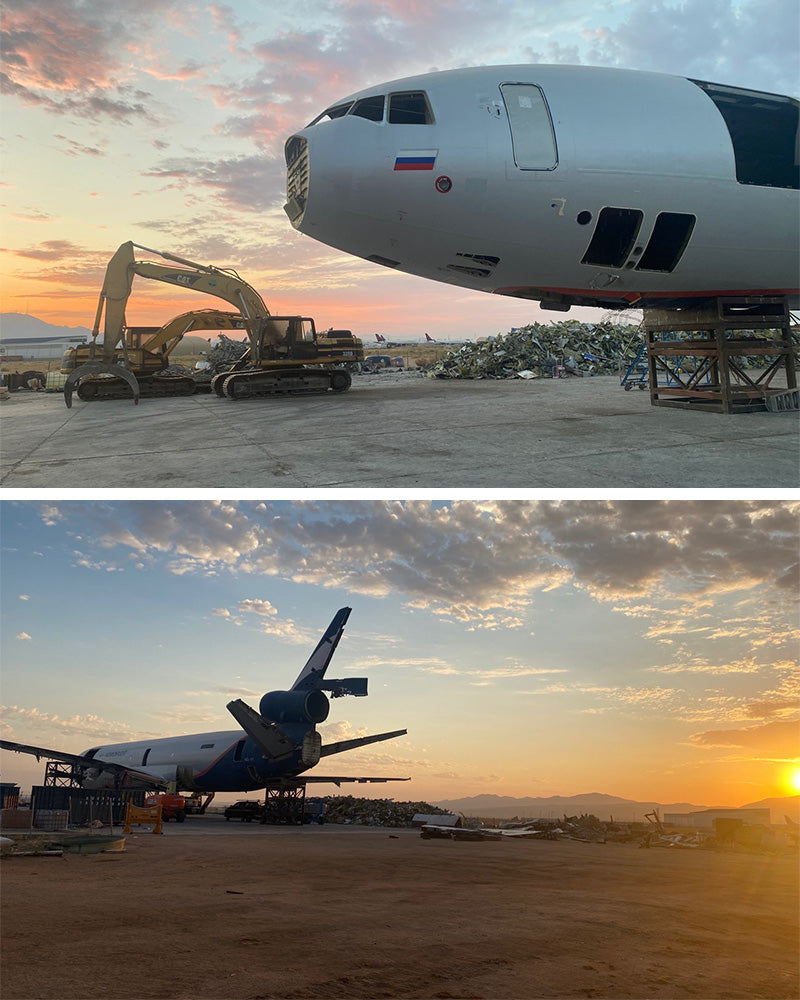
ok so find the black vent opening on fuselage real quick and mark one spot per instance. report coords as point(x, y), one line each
point(613, 237)
point(670, 238)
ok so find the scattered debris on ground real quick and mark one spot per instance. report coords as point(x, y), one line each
point(587, 828)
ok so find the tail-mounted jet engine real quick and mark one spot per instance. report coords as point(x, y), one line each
point(294, 706)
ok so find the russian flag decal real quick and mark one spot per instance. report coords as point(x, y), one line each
point(415, 159)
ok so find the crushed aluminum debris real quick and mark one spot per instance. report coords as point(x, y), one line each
point(374, 812)
point(543, 350)
point(555, 350)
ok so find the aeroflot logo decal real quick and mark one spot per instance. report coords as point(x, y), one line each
point(415, 159)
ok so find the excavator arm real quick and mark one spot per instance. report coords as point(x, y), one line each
point(116, 290)
point(123, 267)
point(171, 333)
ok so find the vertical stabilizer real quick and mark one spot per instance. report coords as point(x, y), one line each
point(317, 664)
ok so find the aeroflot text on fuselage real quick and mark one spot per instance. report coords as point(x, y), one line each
point(571, 185)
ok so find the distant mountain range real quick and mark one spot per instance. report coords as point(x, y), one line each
point(602, 806)
point(14, 325)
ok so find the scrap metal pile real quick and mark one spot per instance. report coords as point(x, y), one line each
point(543, 350)
point(374, 812)
point(556, 350)
point(226, 351)
point(222, 355)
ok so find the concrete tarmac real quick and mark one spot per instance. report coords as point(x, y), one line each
point(397, 431)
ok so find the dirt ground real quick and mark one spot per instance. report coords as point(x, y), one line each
point(381, 913)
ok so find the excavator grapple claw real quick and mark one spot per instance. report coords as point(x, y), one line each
point(99, 368)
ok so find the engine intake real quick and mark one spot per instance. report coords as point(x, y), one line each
point(294, 706)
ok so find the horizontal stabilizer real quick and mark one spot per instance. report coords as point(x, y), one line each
point(127, 775)
point(267, 736)
point(362, 741)
point(317, 664)
point(355, 685)
point(339, 779)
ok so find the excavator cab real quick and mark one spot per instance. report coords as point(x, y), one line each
point(287, 337)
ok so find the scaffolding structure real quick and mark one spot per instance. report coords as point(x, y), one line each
point(60, 775)
point(284, 801)
point(697, 354)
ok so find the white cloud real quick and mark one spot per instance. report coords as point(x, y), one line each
point(24, 597)
point(257, 607)
point(700, 665)
point(23, 636)
point(481, 564)
point(92, 727)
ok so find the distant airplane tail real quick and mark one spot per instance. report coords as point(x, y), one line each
point(430, 339)
point(380, 339)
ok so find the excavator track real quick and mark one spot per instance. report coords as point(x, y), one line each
point(97, 389)
point(286, 382)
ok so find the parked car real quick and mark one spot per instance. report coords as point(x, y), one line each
point(246, 810)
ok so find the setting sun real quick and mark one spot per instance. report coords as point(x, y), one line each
point(793, 779)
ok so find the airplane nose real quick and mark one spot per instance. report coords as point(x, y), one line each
point(296, 152)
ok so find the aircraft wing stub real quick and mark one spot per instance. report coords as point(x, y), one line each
point(339, 779)
point(362, 741)
point(267, 736)
point(90, 763)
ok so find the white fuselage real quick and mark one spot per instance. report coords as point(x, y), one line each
point(219, 761)
point(570, 185)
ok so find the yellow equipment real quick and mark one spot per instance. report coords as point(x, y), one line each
point(286, 348)
point(136, 815)
point(284, 355)
point(146, 351)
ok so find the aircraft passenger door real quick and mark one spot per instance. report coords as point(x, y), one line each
point(532, 133)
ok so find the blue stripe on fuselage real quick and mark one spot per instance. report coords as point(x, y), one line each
point(226, 774)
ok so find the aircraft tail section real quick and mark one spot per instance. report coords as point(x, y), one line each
point(314, 670)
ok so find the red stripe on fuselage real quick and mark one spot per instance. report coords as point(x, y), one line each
point(632, 296)
point(213, 763)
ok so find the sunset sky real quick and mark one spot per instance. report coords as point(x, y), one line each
point(164, 124)
point(646, 649)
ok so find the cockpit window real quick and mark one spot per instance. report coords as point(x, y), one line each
point(370, 108)
point(337, 111)
point(411, 108)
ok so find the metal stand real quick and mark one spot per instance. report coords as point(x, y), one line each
point(713, 338)
point(59, 775)
point(284, 802)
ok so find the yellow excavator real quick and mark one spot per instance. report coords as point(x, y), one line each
point(284, 354)
point(147, 350)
